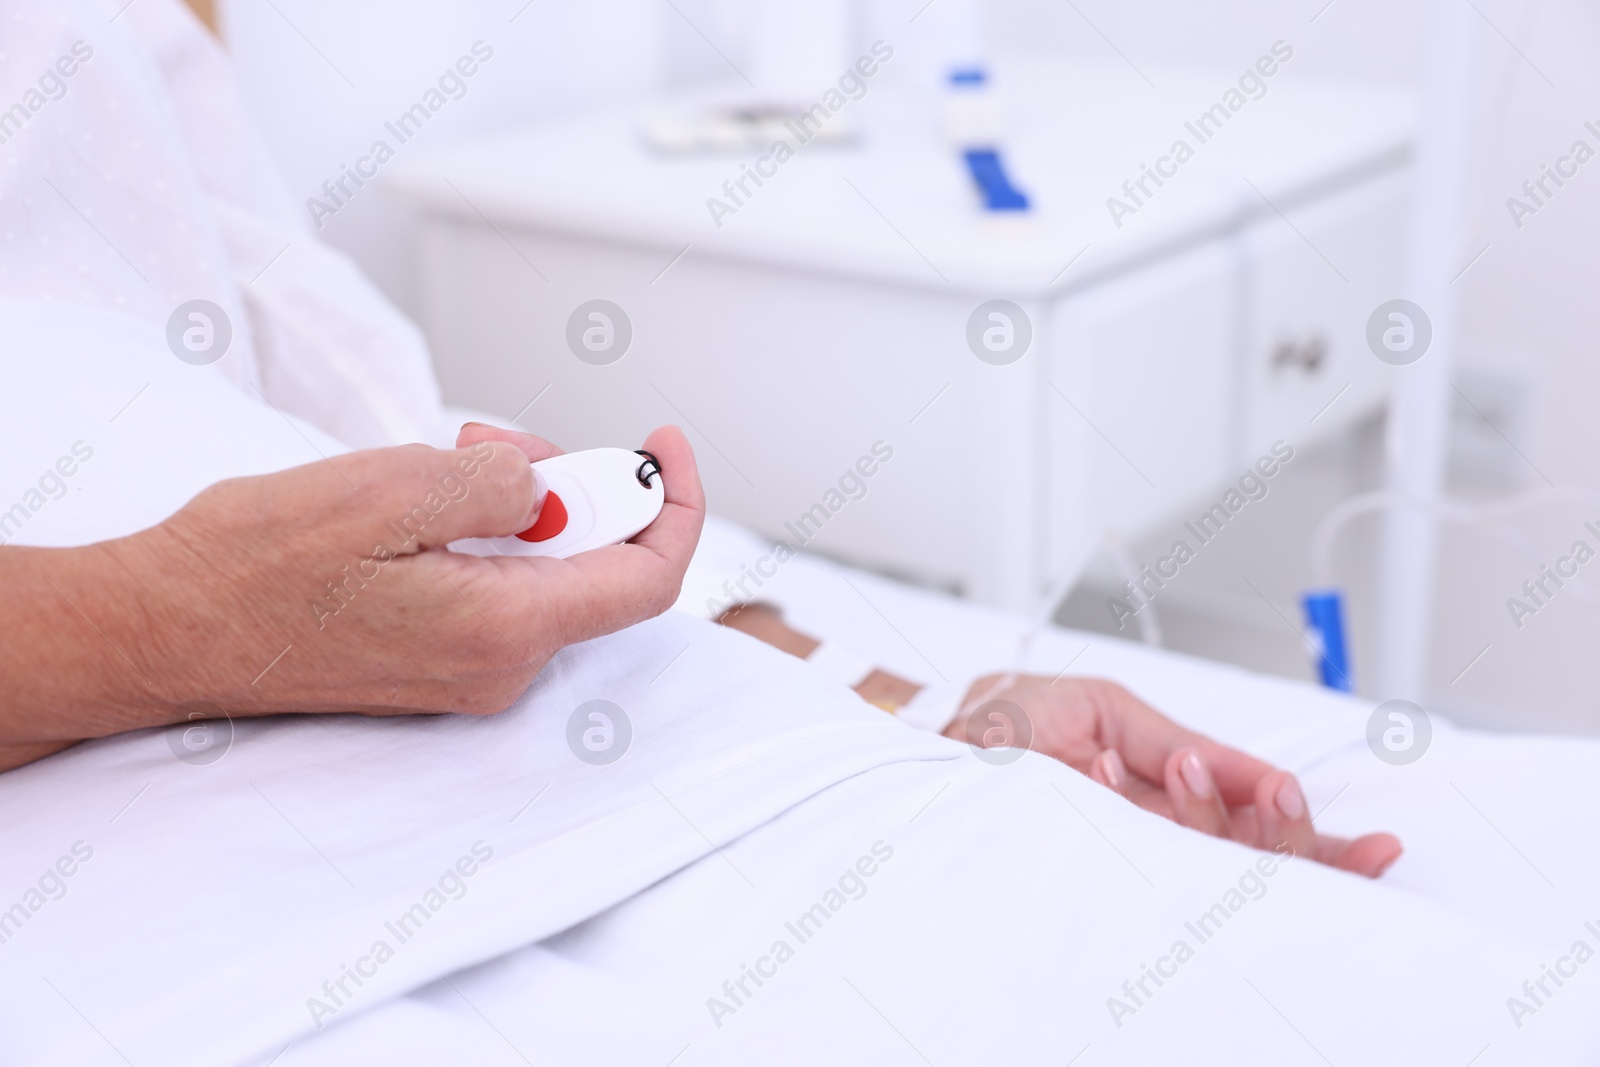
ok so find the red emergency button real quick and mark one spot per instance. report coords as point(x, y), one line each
point(551, 521)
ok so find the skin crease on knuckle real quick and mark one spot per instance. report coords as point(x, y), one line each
point(665, 596)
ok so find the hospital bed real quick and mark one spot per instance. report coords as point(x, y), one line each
point(773, 871)
point(461, 889)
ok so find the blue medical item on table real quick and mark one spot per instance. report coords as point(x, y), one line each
point(974, 125)
point(990, 175)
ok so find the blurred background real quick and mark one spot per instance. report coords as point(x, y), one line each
point(1172, 342)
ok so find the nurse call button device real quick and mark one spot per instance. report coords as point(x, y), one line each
point(600, 497)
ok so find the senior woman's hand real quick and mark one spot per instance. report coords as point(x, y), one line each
point(325, 588)
point(1099, 728)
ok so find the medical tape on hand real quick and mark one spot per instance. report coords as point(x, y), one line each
point(934, 707)
point(840, 664)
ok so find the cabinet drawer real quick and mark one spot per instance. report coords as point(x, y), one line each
point(1309, 285)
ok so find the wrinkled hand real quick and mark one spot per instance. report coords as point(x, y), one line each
point(329, 587)
point(1100, 729)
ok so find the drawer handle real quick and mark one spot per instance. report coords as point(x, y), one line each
point(1305, 354)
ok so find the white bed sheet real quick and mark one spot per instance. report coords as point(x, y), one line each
point(1019, 900)
point(219, 898)
point(996, 934)
point(1489, 819)
point(1015, 902)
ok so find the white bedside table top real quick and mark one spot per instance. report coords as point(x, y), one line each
point(898, 207)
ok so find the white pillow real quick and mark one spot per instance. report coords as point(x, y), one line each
point(104, 431)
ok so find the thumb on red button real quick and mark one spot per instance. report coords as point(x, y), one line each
point(551, 521)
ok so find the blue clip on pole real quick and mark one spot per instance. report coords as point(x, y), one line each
point(1325, 616)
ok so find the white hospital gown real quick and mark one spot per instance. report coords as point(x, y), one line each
point(137, 183)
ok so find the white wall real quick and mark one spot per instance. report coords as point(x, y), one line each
point(1528, 321)
point(1352, 39)
point(323, 78)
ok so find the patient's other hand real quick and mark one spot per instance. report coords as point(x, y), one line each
point(1104, 731)
point(328, 588)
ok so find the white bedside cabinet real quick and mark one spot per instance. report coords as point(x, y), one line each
point(830, 312)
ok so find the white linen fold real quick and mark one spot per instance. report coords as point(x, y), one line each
point(245, 884)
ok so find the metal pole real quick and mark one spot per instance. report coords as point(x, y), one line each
point(1419, 412)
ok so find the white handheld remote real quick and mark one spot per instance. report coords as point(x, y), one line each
point(595, 498)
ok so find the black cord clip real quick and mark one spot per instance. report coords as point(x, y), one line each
point(648, 469)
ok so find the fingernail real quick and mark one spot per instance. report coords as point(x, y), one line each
point(1291, 802)
point(539, 490)
point(1115, 772)
point(1195, 776)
